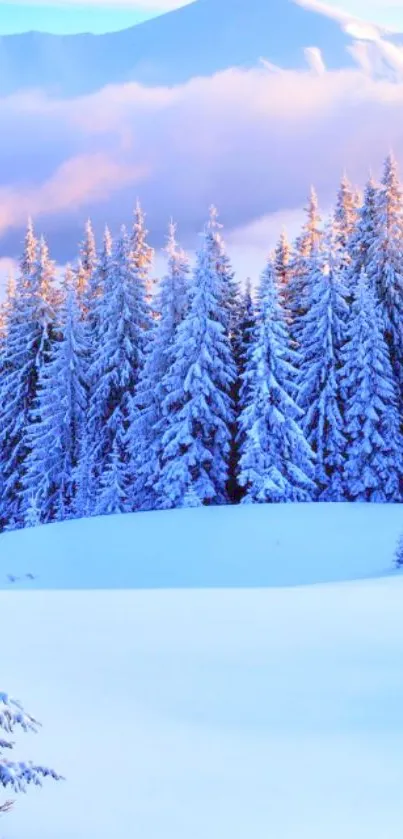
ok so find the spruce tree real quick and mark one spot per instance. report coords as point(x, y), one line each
point(118, 357)
point(282, 268)
point(243, 340)
point(373, 468)
point(307, 244)
point(141, 259)
point(362, 240)
point(230, 290)
point(112, 493)
point(319, 380)
point(147, 423)
point(386, 265)
point(344, 225)
point(276, 461)
point(27, 346)
point(198, 406)
point(58, 417)
point(17, 775)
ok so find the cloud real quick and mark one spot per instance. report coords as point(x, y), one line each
point(354, 26)
point(251, 141)
point(76, 182)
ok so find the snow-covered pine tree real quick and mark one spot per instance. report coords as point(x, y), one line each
point(198, 406)
point(58, 416)
point(282, 268)
point(374, 454)
point(308, 243)
point(229, 312)
point(361, 245)
point(141, 258)
point(112, 493)
point(387, 263)
point(276, 463)
point(30, 335)
point(344, 225)
point(147, 423)
point(118, 357)
point(32, 517)
point(319, 380)
point(230, 289)
point(399, 553)
point(243, 340)
point(99, 275)
point(84, 273)
point(16, 776)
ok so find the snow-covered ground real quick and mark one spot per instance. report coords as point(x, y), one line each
point(247, 546)
point(210, 712)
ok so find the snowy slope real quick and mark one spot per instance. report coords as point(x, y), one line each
point(217, 714)
point(247, 546)
point(198, 39)
point(271, 712)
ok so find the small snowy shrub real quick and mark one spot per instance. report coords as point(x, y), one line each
point(17, 775)
point(399, 553)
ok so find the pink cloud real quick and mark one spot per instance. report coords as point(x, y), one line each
point(91, 177)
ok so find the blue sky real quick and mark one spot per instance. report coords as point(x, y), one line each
point(67, 16)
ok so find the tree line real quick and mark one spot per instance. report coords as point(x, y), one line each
point(118, 394)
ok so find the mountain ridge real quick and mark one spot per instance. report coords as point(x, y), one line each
point(171, 48)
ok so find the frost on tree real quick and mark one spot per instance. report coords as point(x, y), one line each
point(244, 337)
point(15, 776)
point(362, 241)
point(319, 380)
point(141, 259)
point(399, 553)
point(373, 469)
point(276, 460)
point(300, 265)
point(58, 416)
point(282, 268)
point(30, 334)
point(147, 423)
point(386, 266)
point(118, 359)
point(198, 406)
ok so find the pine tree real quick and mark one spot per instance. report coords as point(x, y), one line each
point(112, 495)
point(344, 225)
point(141, 258)
point(230, 290)
point(85, 271)
point(30, 334)
point(147, 422)
point(17, 776)
point(373, 468)
point(319, 380)
point(308, 243)
point(362, 241)
point(198, 406)
point(33, 514)
point(282, 268)
point(387, 263)
point(118, 358)
point(276, 461)
point(243, 340)
point(58, 416)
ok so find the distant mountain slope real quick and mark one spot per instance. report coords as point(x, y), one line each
point(199, 39)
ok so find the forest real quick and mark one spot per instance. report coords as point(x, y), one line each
point(120, 394)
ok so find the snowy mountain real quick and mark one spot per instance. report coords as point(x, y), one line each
point(199, 39)
point(233, 712)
